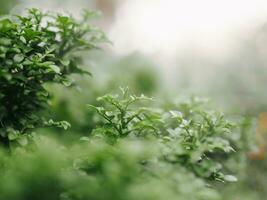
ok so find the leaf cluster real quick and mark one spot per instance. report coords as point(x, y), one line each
point(192, 140)
point(122, 117)
point(37, 49)
point(96, 170)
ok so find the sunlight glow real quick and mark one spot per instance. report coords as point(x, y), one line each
point(169, 27)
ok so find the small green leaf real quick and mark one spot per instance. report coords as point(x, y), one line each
point(5, 41)
point(12, 134)
point(54, 68)
point(22, 39)
point(230, 178)
point(65, 62)
point(18, 58)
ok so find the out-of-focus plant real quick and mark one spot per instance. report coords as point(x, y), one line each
point(6, 6)
point(247, 163)
point(126, 170)
point(37, 49)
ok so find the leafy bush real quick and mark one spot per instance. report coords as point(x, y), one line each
point(174, 160)
point(37, 49)
point(190, 138)
point(138, 73)
point(97, 170)
point(123, 119)
point(140, 149)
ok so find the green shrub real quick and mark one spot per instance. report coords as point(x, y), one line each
point(37, 49)
point(138, 73)
point(96, 170)
point(190, 138)
point(139, 149)
point(123, 118)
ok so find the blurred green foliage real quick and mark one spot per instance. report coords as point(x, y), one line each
point(95, 169)
point(132, 147)
point(6, 5)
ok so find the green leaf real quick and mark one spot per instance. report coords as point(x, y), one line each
point(22, 39)
point(230, 178)
point(13, 134)
point(54, 68)
point(18, 58)
point(5, 41)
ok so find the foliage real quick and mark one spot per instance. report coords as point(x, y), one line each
point(6, 6)
point(96, 170)
point(191, 139)
point(123, 118)
point(109, 73)
point(159, 164)
point(141, 148)
point(37, 49)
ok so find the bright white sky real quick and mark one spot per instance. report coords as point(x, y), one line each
point(168, 27)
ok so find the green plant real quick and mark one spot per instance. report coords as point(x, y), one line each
point(96, 170)
point(122, 117)
point(138, 73)
point(140, 149)
point(37, 49)
point(190, 137)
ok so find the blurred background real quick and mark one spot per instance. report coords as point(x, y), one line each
point(209, 47)
point(169, 48)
